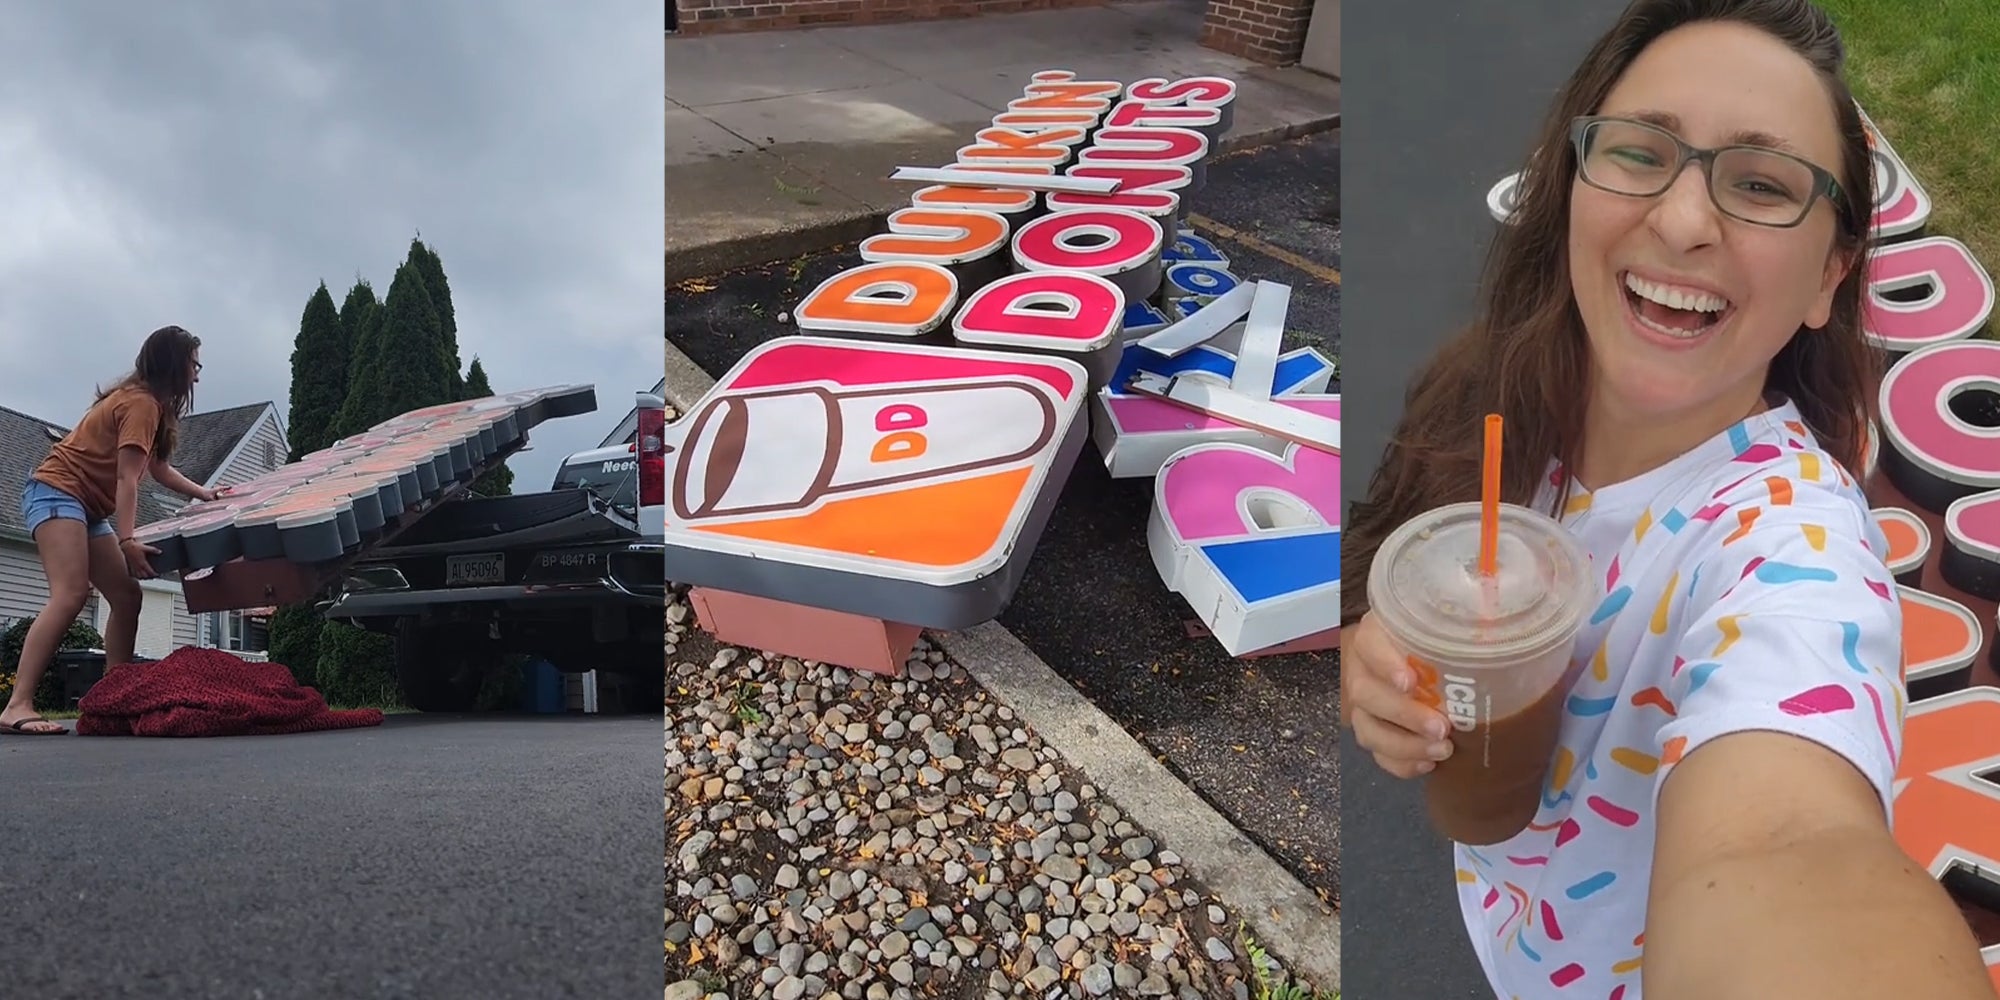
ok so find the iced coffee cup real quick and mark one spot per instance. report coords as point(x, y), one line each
point(782, 451)
point(1493, 653)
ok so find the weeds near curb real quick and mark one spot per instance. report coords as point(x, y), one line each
point(743, 704)
point(1269, 976)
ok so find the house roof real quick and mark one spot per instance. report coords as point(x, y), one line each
point(206, 439)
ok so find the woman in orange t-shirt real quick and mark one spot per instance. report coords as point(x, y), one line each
point(81, 507)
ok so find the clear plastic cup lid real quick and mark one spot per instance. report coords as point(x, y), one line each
point(1426, 587)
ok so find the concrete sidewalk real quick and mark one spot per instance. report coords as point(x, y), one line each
point(781, 142)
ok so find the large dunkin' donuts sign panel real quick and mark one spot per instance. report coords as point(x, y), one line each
point(898, 461)
point(333, 502)
point(885, 480)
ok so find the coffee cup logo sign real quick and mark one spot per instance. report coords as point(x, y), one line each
point(909, 483)
point(869, 440)
point(889, 480)
point(334, 501)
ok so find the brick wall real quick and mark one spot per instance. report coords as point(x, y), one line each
point(707, 17)
point(1272, 32)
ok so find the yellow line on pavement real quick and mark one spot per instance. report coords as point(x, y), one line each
point(1324, 273)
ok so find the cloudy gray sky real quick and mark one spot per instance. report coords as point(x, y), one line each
point(209, 162)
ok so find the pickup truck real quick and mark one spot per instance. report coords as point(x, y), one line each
point(574, 576)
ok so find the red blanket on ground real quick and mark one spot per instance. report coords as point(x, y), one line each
point(208, 692)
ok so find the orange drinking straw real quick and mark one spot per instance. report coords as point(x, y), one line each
point(1489, 500)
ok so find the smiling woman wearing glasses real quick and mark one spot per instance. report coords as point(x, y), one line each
point(1673, 331)
point(81, 507)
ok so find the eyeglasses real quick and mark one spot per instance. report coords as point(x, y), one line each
point(1764, 187)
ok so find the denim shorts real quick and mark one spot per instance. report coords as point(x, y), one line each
point(40, 502)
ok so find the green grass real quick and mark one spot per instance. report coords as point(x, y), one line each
point(1928, 72)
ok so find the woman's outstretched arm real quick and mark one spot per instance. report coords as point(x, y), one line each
point(171, 478)
point(1775, 875)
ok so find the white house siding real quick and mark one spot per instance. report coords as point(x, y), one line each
point(160, 617)
point(265, 441)
point(23, 587)
point(186, 627)
point(156, 625)
point(263, 450)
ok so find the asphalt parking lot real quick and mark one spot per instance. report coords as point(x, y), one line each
point(432, 857)
point(1258, 739)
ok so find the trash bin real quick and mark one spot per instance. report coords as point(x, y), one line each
point(79, 670)
point(541, 688)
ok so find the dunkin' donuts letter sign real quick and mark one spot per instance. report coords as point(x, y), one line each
point(899, 460)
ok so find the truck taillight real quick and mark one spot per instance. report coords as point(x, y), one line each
point(652, 446)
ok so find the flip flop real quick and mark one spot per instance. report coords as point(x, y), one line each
point(15, 728)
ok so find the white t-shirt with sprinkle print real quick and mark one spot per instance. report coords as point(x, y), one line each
point(1742, 589)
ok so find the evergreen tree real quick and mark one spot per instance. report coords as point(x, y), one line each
point(432, 268)
point(398, 367)
point(360, 319)
point(499, 482)
point(321, 366)
point(319, 376)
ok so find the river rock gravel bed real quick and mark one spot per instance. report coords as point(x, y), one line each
point(833, 834)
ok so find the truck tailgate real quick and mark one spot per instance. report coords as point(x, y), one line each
point(565, 517)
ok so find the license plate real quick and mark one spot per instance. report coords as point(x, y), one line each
point(474, 571)
point(569, 564)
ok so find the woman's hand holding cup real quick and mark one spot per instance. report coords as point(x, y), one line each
point(1379, 698)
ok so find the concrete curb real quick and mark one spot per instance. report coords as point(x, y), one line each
point(1285, 916)
point(686, 382)
point(771, 247)
point(1277, 134)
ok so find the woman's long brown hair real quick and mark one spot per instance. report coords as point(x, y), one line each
point(164, 368)
point(1525, 355)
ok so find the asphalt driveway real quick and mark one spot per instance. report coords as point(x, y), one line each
point(433, 857)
